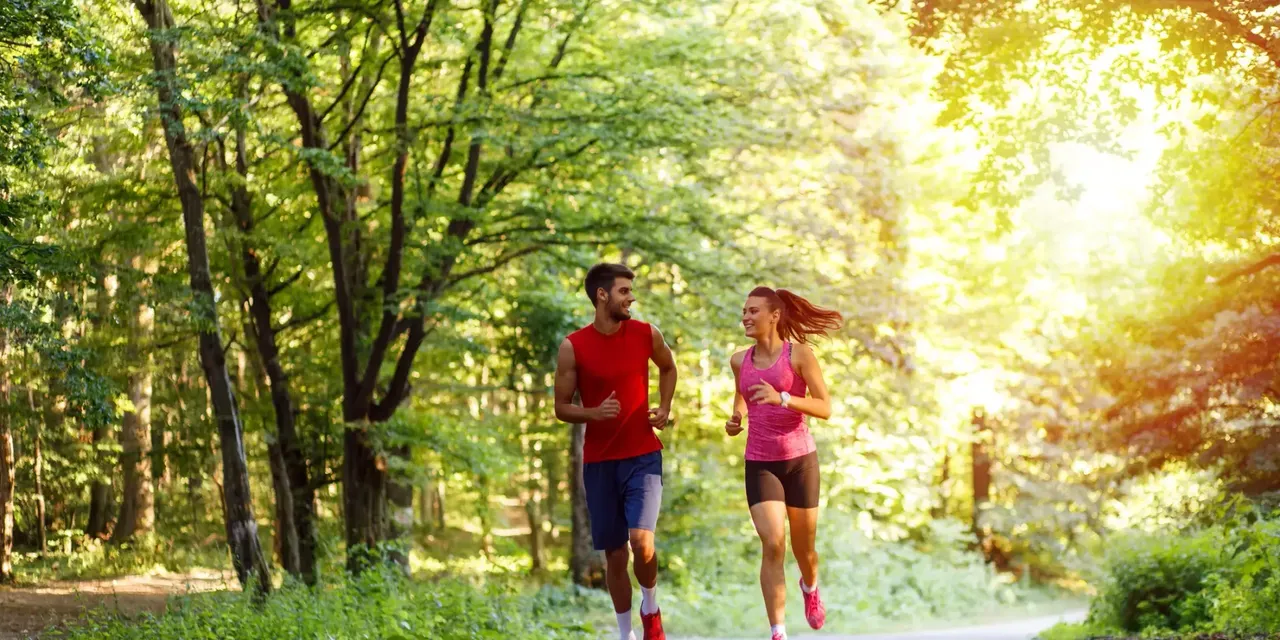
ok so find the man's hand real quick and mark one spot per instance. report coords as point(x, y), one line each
point(608, 409)
point(734, 425)
point(658, 418)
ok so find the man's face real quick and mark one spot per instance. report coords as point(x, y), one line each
point(618, 302)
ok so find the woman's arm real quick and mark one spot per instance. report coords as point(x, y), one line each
point(817, 403)
point(734, 426)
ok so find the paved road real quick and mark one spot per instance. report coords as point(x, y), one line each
point(1017, 630)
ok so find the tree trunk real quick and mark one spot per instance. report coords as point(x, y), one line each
point(939, 509)
point(7, 463)
point(37, 430)
point(287, 546)
point(242, 530)
point(99, 489)
point(981, 478)
point(537, 545)
point(552, 465)
point(296, 480)
point(364, 498)
point(423, 516)
point(585, 563)
point(437, 503)
point(137, 500)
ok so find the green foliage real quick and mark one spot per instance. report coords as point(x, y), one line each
point(1218, 579)
point(376, 605)
point(1159, 582)
point(97, 560)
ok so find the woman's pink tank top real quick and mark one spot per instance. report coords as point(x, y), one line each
point(773, 432)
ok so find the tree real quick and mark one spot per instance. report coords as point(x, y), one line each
point(485, 156)
point(137, 498)
point(242, 529)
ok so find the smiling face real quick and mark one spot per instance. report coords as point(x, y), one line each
point(617, 300)
point(758, 319)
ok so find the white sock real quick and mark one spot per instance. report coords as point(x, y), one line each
point(624, 625)
point(806, 588)
point(779, 630)
point(648, 600)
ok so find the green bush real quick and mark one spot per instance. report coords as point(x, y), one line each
point(1247, 598)
point(376, 605)
point(1160, 582)
point(1222, 579)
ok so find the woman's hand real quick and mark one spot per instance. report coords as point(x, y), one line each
point(734, 425)
point(763, 393)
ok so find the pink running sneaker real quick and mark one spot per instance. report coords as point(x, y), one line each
point(814, 611)
point(778, 636)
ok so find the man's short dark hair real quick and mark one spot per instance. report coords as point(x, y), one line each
point(602, 276)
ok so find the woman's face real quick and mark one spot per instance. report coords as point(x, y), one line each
point(757, 318)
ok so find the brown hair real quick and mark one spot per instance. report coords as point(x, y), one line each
point(800, 318)
point(601, 276)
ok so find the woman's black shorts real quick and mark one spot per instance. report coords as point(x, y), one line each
point(793, 481)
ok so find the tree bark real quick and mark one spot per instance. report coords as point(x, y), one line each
point(537, 543)
point(585, 564)
point(287, 543)
point(437, 503)
point(296, 481)
point(242, 529)
point(137, 500)
point(7, 463)
point(981, 474)
point(552, 465)
point(37, 429)
point(99, 489)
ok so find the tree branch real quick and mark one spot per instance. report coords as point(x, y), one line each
point(482, 84)
point(1233, 24)
point(511, 41)
point(1248, 270)
point(377, 79)
point(351, 81)
point(498, 263)
point(298, 321)
point(395, 254)
point(288, 282)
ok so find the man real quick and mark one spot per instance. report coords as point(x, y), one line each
point(607, 364)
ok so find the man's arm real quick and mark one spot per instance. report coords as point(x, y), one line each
point(667, 375)
point(566, 385)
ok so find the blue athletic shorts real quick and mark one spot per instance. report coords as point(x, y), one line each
point(621, 495)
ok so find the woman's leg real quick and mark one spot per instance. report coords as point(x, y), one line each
point(802, 488)
point(804, 535)
point(770, 520)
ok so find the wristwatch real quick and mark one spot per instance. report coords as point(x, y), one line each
point(786, 397)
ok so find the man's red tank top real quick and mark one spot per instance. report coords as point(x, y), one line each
point(616, 363)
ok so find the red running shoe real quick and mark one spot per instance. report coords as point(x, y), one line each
point(778, 636)
point(652, 624)
point(814, 611)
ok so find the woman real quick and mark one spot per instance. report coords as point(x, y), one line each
point(779, 382)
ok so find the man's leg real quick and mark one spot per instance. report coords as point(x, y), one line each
point(609, 534)
point(641, 479)
point(615, 576)
point(646, 559)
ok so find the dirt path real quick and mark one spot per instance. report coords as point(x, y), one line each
point(1026, 629)
point(27, 611)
